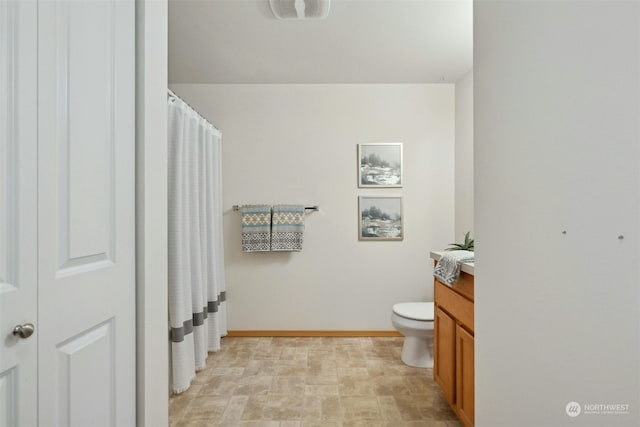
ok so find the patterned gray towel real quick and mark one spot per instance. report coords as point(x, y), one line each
point(256, 228)
point(287, 228)
point(448, 267)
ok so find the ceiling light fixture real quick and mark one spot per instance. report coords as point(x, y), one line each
point(300, 9)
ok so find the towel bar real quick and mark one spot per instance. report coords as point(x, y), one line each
point(309, 208)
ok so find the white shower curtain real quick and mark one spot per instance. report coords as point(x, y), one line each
point(197, 309)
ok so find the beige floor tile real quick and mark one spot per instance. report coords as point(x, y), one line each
point(356, 386)
point(260, 367)
point(257, 384)
point(236, 362)
point(270, 353)
point(308, 382)
point(288, 384)
point(236, 423)
point(390, 386)
point(234, 410)
point(224, 370)
point(209, 408)
point(321, 424)
point(194, 423)
point(395, 370)
point(178, 404)
point(422, 423)
point(321, 353)
point(350, 353)
point(389, 409)
point(322, 390)
point(410, 407)
point(377, 353)
point(254, 408)
point(263, 342)
point(377, 368)
point(421, 384)
point(331, 409)
point(321, 369)
point(312, 410)
point(437, 412)
point(348, 341)
point(354, 362)
point(324, 364)
point(353, 372)
point(291, 367)
point(360, 408)
point(220, 386)
point(313, 379)
point(294, 353)
point(365, 423)
point(283, 407)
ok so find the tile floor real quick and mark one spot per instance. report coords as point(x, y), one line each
point(311, 382)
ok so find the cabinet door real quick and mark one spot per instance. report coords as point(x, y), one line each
point(464, 376)
point(444, 353)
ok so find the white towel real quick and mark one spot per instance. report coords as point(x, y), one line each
point(448, 267)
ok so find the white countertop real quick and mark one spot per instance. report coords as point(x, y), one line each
point(467, 267)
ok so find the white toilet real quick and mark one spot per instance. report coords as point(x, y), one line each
point(414, 320)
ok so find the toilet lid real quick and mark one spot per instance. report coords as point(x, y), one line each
point(415, 310)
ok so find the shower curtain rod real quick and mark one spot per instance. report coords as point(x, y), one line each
point(309, 208)
point(171, 94)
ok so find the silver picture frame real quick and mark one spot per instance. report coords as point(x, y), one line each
point(380, 165)
point(380, 218)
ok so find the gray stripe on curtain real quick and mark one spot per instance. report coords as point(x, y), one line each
point(177, 334)
point(198, 318)
point(213, 307)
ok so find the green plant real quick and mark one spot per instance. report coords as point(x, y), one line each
point(466, 246)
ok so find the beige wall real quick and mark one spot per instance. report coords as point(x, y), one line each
point(557, 149)
point(464, 157)
point(297, 144)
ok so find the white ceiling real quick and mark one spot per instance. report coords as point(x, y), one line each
point(362, 41)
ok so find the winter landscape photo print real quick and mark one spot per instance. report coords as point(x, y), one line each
point(380, 218)
point(380, 165)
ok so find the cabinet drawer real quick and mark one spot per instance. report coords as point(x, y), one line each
point(464, 285)
point(455, 304)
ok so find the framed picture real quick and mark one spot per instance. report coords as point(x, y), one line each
point(380, 218)
point(380, 165)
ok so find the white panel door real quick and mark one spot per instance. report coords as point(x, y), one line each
point(18, 204)
point(86, 293)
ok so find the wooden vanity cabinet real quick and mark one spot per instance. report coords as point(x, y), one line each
point(453, 367)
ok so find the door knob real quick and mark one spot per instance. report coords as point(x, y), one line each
point(24, 331)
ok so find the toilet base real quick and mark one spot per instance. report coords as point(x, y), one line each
point(417, 352)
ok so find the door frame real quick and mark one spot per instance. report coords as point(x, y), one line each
point(152, 343)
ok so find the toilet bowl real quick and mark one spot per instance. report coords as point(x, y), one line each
point(414, 320)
